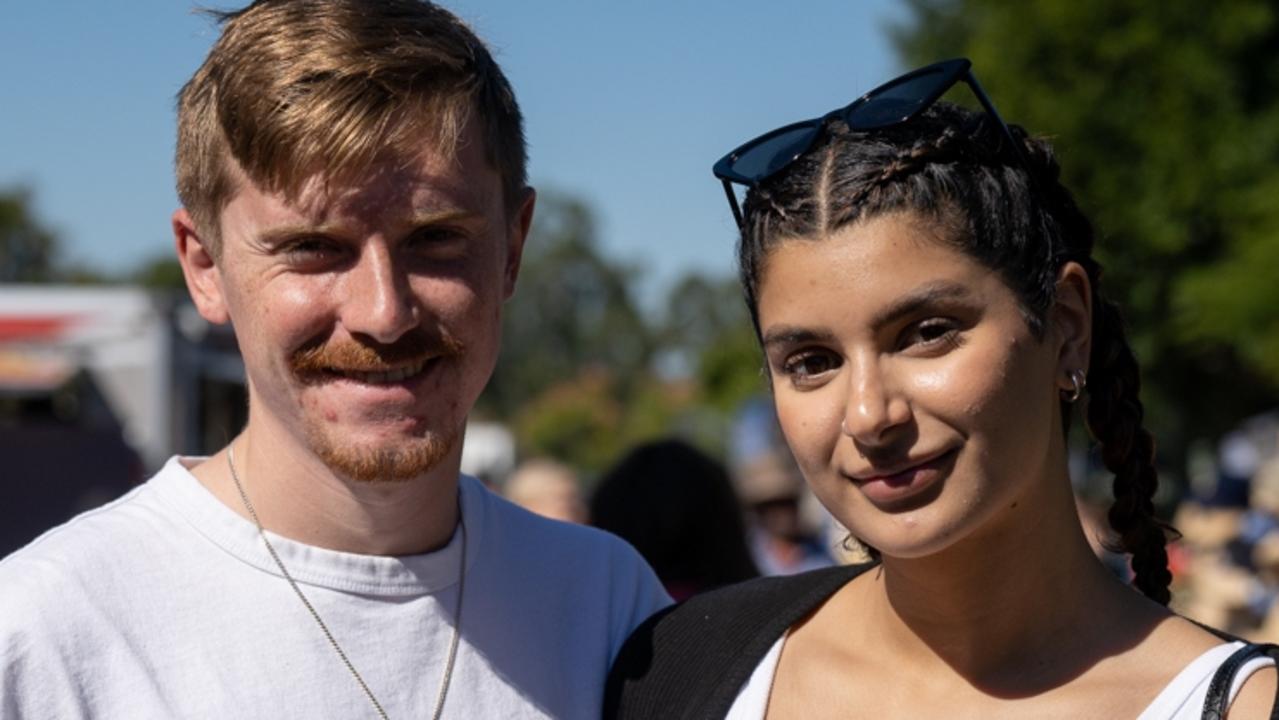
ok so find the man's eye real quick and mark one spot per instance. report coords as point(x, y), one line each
point(438, 243)
point(309, 249)
point(437, 235)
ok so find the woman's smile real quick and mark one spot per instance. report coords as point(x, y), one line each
point(906, 486)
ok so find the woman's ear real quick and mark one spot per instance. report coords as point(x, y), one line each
point(200, 268)
point(1071, 322)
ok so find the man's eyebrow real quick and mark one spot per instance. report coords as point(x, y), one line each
point(918, 299)
point(440, 217)
point(284, 233)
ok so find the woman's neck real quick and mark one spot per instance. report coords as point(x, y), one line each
point(1012, 610)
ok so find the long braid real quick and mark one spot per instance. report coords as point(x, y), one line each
point(1115, 418)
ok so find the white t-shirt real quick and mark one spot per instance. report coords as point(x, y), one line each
point(1181, 699)
point(165, 604)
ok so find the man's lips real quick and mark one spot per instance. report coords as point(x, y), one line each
point(377, 375)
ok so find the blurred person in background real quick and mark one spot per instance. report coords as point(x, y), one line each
point(676, 505)
point(781, 539)
point(549, 488)
point(930, 311)
point(352, 174)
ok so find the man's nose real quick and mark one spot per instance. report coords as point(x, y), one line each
point(379, 301)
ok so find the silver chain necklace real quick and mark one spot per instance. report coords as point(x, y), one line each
point(457, 618)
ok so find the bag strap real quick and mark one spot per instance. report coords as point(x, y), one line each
point(1218, 700)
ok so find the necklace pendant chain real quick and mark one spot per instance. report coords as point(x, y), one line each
point(333, 643)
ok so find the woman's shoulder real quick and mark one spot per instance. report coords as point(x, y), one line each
point(1224, 664)
point(1199, 668)
point(698, 653)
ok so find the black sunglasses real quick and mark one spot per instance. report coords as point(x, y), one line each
point(893, 103)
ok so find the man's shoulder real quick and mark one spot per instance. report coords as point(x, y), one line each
point(45, 585)
point(577, 543)
point(580, 566)
point(78, 539)
point(74, 559)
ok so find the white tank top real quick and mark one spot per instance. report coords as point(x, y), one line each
point(1181, 699)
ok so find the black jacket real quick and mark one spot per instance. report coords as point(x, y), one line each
point(690, 660)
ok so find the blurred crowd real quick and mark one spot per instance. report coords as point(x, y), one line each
point(1226, 564)
point(702, 524)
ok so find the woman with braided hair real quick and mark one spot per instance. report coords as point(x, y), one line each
point(931, 315)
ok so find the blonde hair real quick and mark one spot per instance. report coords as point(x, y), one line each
point(295, 88)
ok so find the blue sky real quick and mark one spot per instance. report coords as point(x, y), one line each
point(626, 104)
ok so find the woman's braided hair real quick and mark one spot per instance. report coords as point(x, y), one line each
point(953, 166)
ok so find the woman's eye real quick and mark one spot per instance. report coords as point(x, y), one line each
point(931, 333)
point(809, 365)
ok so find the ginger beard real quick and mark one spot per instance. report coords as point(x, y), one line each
point(413, 456)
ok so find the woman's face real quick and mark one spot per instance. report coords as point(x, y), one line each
point(915, 398)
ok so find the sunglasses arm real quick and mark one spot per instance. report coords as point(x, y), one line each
point(989, 107)
point(732, 202)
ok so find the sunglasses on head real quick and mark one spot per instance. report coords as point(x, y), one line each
point(893, 103)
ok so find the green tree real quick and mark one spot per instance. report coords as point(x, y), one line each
point(706, 337)
point(1166, 120)
point(707, 330)
point(161, 272)
point(574, 376)
point(574, 309)
point(28, 249)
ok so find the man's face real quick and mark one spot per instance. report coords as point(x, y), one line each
point(369, 315)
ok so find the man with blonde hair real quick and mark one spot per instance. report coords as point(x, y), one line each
point(352, 174)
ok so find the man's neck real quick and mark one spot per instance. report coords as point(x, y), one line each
point(298, 497)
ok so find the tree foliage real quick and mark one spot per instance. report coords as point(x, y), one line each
point(28, 249)
point(1166, 121)
point(707, 325)
point(574, 309)
point(585, 373)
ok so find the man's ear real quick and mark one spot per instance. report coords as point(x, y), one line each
point(203, 276)
point(518, 233)
point(1071, 320)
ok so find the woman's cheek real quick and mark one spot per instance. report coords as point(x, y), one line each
point(810, 425)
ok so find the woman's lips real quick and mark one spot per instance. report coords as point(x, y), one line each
point(892, 486)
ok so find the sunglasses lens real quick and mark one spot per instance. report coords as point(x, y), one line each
point(896, 103)
point(773, 153)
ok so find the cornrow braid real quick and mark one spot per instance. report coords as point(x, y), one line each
point(950, 146)
point(1115, 419)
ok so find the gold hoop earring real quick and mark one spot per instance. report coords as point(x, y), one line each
point(1078, 381)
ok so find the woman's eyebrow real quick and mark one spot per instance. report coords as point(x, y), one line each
point(919, 298)
point(793, 334)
